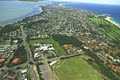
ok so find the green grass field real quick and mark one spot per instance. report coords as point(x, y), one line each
point(6, 42)
point(77, 69)
point(58, 48)
point(111, 30)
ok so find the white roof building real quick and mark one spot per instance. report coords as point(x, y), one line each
point(24, 71)
point(37, 55)
point(44, 48)
point(51, 48)
point(36, 44)
point(25, 79)
point(52, 63)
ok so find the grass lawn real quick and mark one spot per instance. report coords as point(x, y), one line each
point(77, 69)
point(58, 48)
point(29, 75)
point(7, 42)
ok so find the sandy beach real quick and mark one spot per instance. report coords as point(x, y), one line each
point(109, 19)
point(61, 4)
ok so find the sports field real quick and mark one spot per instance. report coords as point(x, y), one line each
point(76, 69)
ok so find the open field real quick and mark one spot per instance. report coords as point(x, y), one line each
point(58, 48)
point(76, 69)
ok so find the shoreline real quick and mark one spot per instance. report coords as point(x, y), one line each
point(61, 4)
point(108, 18)
point(35, 11)
point(111, 21)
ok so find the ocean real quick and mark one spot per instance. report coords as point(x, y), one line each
point(111, 10)
point(14, 10)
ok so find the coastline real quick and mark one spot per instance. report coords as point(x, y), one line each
point(36, 10)
point(61, 4)
point(108, 18)
point(111, 21)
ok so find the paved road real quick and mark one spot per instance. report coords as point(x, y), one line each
point(63, 57)
point(29, 54)
point(46, 72)
point(27, 48)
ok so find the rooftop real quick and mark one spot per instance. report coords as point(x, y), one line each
point(2, 60)
point(16, 60)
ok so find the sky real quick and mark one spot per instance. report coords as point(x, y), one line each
point(117, 2)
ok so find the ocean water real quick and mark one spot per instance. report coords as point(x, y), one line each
point(110, 10)
point(14, 10)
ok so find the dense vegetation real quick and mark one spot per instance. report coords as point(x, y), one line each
point(98, 64)
point(9, 28)
point(63, 39)
point(21, 54)
point(34, 23)
point(12, 40)
point(0, 30)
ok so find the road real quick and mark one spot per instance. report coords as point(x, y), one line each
point(29, 54)
point(46, 72)
point(64, 57)
point(27, 48)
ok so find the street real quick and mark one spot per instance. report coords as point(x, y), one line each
point(29, 55)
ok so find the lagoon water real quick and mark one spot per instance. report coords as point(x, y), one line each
point(110, 10)
point(14, 10)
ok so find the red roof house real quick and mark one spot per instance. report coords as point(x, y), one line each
point(2, 60)
point(16, 60)
point(9, 76)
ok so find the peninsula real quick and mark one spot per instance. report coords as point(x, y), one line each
point(60, 44)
